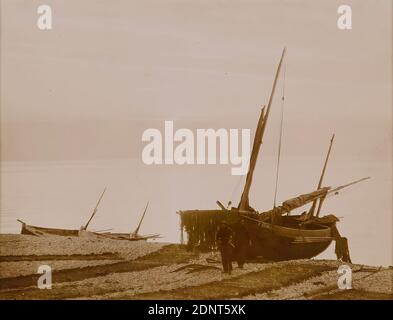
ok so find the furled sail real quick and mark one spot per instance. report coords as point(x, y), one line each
point(303, 199)
point(244, 201)
point(297, 202)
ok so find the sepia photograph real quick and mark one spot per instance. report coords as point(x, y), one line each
point(196, 150)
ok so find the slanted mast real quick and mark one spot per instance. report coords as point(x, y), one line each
point(135, 233)
point(244, 201)
point(314, 204)
point(95, 210)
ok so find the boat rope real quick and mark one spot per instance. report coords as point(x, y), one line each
point(236, 188)
point(281, 133)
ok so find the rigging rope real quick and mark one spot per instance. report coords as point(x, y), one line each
point(280, 139)
point(236, 188)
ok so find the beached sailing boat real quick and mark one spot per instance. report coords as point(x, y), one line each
point(273, 234)
point(132, 236)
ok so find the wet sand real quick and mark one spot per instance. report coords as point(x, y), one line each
point(84, 268)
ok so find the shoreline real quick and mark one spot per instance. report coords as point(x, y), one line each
point(84, 268)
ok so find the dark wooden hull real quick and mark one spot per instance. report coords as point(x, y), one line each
point(272, 246)
point(284, 249)
point(286, 241)
point(280, 242)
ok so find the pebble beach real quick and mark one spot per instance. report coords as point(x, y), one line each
point(84, 268)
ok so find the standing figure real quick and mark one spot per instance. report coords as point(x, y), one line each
point(223, 239)
point(241, 241)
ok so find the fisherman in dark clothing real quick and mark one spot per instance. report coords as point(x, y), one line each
point(224, 242)
point(342, 249)
point(241, 242)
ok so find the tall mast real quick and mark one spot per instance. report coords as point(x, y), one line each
point(244, 201)
point(314, 204)
point(135, 233)
point(95, 210)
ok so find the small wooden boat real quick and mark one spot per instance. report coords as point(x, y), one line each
point(128, 236)
point(133, 236)
point(40, 231)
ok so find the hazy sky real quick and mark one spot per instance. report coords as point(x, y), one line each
point(110, 69)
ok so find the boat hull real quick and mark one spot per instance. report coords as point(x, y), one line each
point(287, 241)
point(41, 231)
point(277, 242)
point(275, 247)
